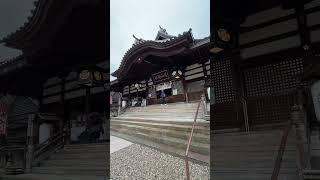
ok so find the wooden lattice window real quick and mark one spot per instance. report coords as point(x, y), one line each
point(273, 79)
point(221, 76)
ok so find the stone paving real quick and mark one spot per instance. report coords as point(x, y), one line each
point(117, 143)
point(138, 162)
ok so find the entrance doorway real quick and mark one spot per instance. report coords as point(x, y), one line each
point(166, 87)
point(167, 92)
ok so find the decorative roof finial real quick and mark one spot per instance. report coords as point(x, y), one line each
point(137, 40)
point(162, 29)
point(135, 37)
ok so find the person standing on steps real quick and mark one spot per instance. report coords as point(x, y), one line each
point(163, 97)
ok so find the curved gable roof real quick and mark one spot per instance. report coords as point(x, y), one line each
point(38, 18)
point(160, 45)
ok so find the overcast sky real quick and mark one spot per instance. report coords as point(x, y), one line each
point(13, 13)
point(143, 17)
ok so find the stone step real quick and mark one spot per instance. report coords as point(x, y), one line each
point(252, 155)
point(197, 137)
point(92, 145)
point(255, 169)
point(311, 174)
point(251, 176)
point(252, 148)
point(162, 119)
point(190, 104)
point(254, 164)
point(89, 156)
point(65, 162)
point(205, 124)
point(33, 176)
point(170, 126)
point(70, 170)
point(193, 156)
point(161, 108)
point(83, 150)
point(197, 147)
point(241, 133)
point(227, 142)
point(78, 166)
point(161, 115)
point(97, 148)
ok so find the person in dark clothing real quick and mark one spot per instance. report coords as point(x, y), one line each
point(93, 129)
point(95, 126)
point(163, 98)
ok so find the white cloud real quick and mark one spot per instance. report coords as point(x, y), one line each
point(143, 17)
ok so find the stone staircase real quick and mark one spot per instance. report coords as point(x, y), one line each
point(251, 156)
point(314, 172)
point(76, 161)
point(166, 128)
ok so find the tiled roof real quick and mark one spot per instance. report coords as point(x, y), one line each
point(31, 19)
point(153, 44)
point(10, 60)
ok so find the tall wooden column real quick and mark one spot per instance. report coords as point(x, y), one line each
point(238, 85)
point(40, 110)
point(63, 103)
point(119, 103)
point(205, 78)
point(147, 91)
point(30, 142)
point(185, 87)
point(87, 103)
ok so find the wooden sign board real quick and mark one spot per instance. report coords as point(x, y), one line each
point(160, 77)
point(90, 77)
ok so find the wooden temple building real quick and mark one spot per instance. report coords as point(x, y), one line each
point(54, 95)
point(264, 74)
point(178, 65)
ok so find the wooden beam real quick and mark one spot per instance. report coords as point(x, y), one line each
point(269, 39)
point(302, 26)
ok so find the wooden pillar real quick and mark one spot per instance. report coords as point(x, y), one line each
point(185, 87)
point(63, 103)
point(30, 142)
point(119, 103)
point(41, 95)
point(147, 91)
point(238, 86)
point(87, 103)
point(36, 126)
point(302, 26)
point(64, 123)
point(205, 78)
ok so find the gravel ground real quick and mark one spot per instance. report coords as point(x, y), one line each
point(137, 162)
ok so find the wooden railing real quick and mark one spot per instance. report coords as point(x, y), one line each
point(245, 113)
point(281, 150)
point(123, 109)
point(301, 159)
point(204, 103)
point(298, 120)
point(47, 148)
point(190, 139)
point(39, 152)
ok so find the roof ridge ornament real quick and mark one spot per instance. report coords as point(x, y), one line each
point(137, 40)
point(163, 30)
